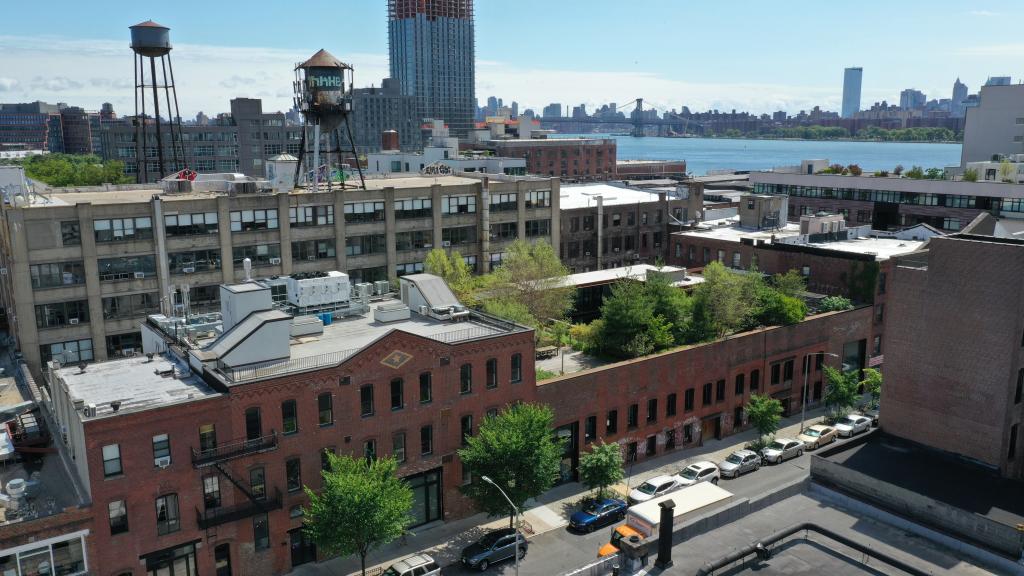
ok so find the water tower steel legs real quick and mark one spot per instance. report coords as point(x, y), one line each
point(355, 155)
point(156, 116)
point(170, 114)
point(177, 114)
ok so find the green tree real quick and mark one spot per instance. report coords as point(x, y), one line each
point(834, 304)
point(73, 170)
point(792, 283)
point(764, 413)
point(855, 170)
point(970, 175)
point(510, 310)
point(935, 174)
point(532, 275)
point(455, 272)
point(1006, 171)
point(777, 309)
point(517, 449)
point(873, 385)
point(915, 172)
point(841, 391)
point(722, 303)
point(601, 467)
point(898, 169)
point(361, 505)
point(630, 326)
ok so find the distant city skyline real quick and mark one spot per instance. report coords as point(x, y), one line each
point(83, 59)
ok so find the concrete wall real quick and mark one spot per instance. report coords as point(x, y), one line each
point(990, 128)
point(973, 527)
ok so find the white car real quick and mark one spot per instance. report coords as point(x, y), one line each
point(698, 472)
point(418, 565)
point(782, 449)
point(652, 488)
point(853, 424)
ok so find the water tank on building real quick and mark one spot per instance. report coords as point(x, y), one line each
point(151, 39)
point(389, 140)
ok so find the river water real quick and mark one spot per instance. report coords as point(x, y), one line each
point(703, 154)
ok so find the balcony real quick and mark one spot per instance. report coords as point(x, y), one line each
point(234, 449)
point(249, 508)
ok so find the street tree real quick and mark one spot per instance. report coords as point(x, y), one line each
point(517, 449)
point(361, 505)
point(841, 391)
point(601, 467)
point(764, 413)
point(532, 275)
point(873, 385)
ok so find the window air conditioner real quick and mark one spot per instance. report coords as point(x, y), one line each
point(139, 275)
point(188, 269)
point(446, 243)
point(311, 258)
point(162, 462)
point(72, 320)
point(275, 261)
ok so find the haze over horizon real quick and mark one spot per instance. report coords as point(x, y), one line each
point(758, 58)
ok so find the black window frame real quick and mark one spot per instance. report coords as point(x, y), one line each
point(118, 523)
point(466, 378)
point(426, 384)
point(399, 385)
point(293, 474)
point(670, 405)
point(689, 399)
point(366, 400)
point(171, 521)
point(632, 416)
point(611, 422)
point(321, 410)
point(426, 440)
point(289, 416)
point(492, 373)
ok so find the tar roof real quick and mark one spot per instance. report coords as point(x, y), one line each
point(586, 196)
point(137, 383)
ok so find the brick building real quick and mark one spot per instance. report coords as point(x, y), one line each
point(604, 226)
point(955, 316)
point(220, 441)
point(650, 169)
point(571, 159)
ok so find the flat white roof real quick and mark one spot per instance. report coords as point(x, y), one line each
point(585, 196)
point(730, 229)
point(882, 248)
point(637, 272)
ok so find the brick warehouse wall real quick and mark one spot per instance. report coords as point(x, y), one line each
point(952, 387)
point(142, 483)
point(617, 386)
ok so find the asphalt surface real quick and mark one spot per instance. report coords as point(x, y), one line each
point(561, 550)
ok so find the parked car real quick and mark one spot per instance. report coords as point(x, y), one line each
point(698, 472)
point(496, 546)
point(652, 488)
point(817, 435)
point(782, 449)
point(418, 565)
point(598, 513)
point(739, 462)
point(853, 424)
point(871, 413)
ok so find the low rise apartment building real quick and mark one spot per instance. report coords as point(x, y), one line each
point(606, 226)
point(82, 267)
point(570, 159)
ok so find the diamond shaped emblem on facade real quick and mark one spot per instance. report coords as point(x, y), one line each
point(396, 359)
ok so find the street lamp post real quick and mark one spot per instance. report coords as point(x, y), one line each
point(515, 516)
point(807, 370)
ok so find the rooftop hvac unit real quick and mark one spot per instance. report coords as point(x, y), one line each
point(188, 269)
point(177, 186)
point(90, 410)
point(311, 258)
point(382, 287)
point(242, 187)
point(615, 249)
point(139, 275)
point(162, 462)
point(586, 253)
point(446, 243)
point(275, 261)
point(72, 320)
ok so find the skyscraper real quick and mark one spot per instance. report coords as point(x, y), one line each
point(851, 91)
point(956, 104)
point(911, 99)
point(431, 46)
point(998, 81)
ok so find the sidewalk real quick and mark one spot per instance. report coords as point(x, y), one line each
point(444, 541)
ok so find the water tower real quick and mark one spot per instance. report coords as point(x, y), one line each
point(153, 42)
point(323, 93)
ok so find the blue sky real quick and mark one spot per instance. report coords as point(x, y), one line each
point(752, 55)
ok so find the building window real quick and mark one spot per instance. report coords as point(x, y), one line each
point(70, 352)
point(652, 410)
point(466, 379)
point(590, 429)
point(293, 475)
point(258, 483)
point(879, 313)
point(161, 450)
point(466, 427)
point(670, 405)
point(426, 440)
point(118, 513)
point(417, 208)
point(126, 268)
point(755, 379)
point(776, 374)
point(413, 240)
point(369, 244)
point(426, 389)
point(64, 313)
point(260, 532)
point(131, 305)
point(70, 233)
point(538, 199)
point(535, 228)
point(706, 395)
point(517, 368)
point(458, 235)
point(366, 400)
point(120, 229)
point(311, 215)
point(951, 223)
point(1012, 452)
point(249, 220)
point(616, 219)
point(211, 492)
point(259, 254)
point(191, 224)
point(688, 399)
point(57, 274)
point(720, 391)
point(397, 394)
point(739, 385)
point(370, 450)
point(458, 204)
point(736, 260)
point(611, 423)
point(167, 519)
point(492, 373)
point(112, 460)
point(310, 250)
point(787, 372)
point(289, 417)
point(1020, 387)
point(325, 459)
point(207, 438)
point(364, 212)
point(398, 447)
point(507, 203)
point(877, 346)
point(325, 408)
point(632, 416)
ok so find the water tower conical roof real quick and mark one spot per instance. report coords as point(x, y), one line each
point(149, 24)
point(323, 58)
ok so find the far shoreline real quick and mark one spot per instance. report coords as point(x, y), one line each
point(867, 140)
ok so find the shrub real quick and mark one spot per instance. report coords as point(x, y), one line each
point(834, 304)
point(855, 169)
point(970, 175)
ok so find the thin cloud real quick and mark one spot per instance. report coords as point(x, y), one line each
point(9, 84)
point(983, 13)
point(55, 84)
point(1000, 50)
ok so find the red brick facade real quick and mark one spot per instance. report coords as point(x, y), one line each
point(571, 159)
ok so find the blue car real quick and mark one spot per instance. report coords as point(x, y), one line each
point(598, 513)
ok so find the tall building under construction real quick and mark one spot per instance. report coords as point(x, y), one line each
point(432, 57)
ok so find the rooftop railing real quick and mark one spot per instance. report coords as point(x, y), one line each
point(225, 514)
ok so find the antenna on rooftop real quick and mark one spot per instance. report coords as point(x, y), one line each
point(153, 41)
